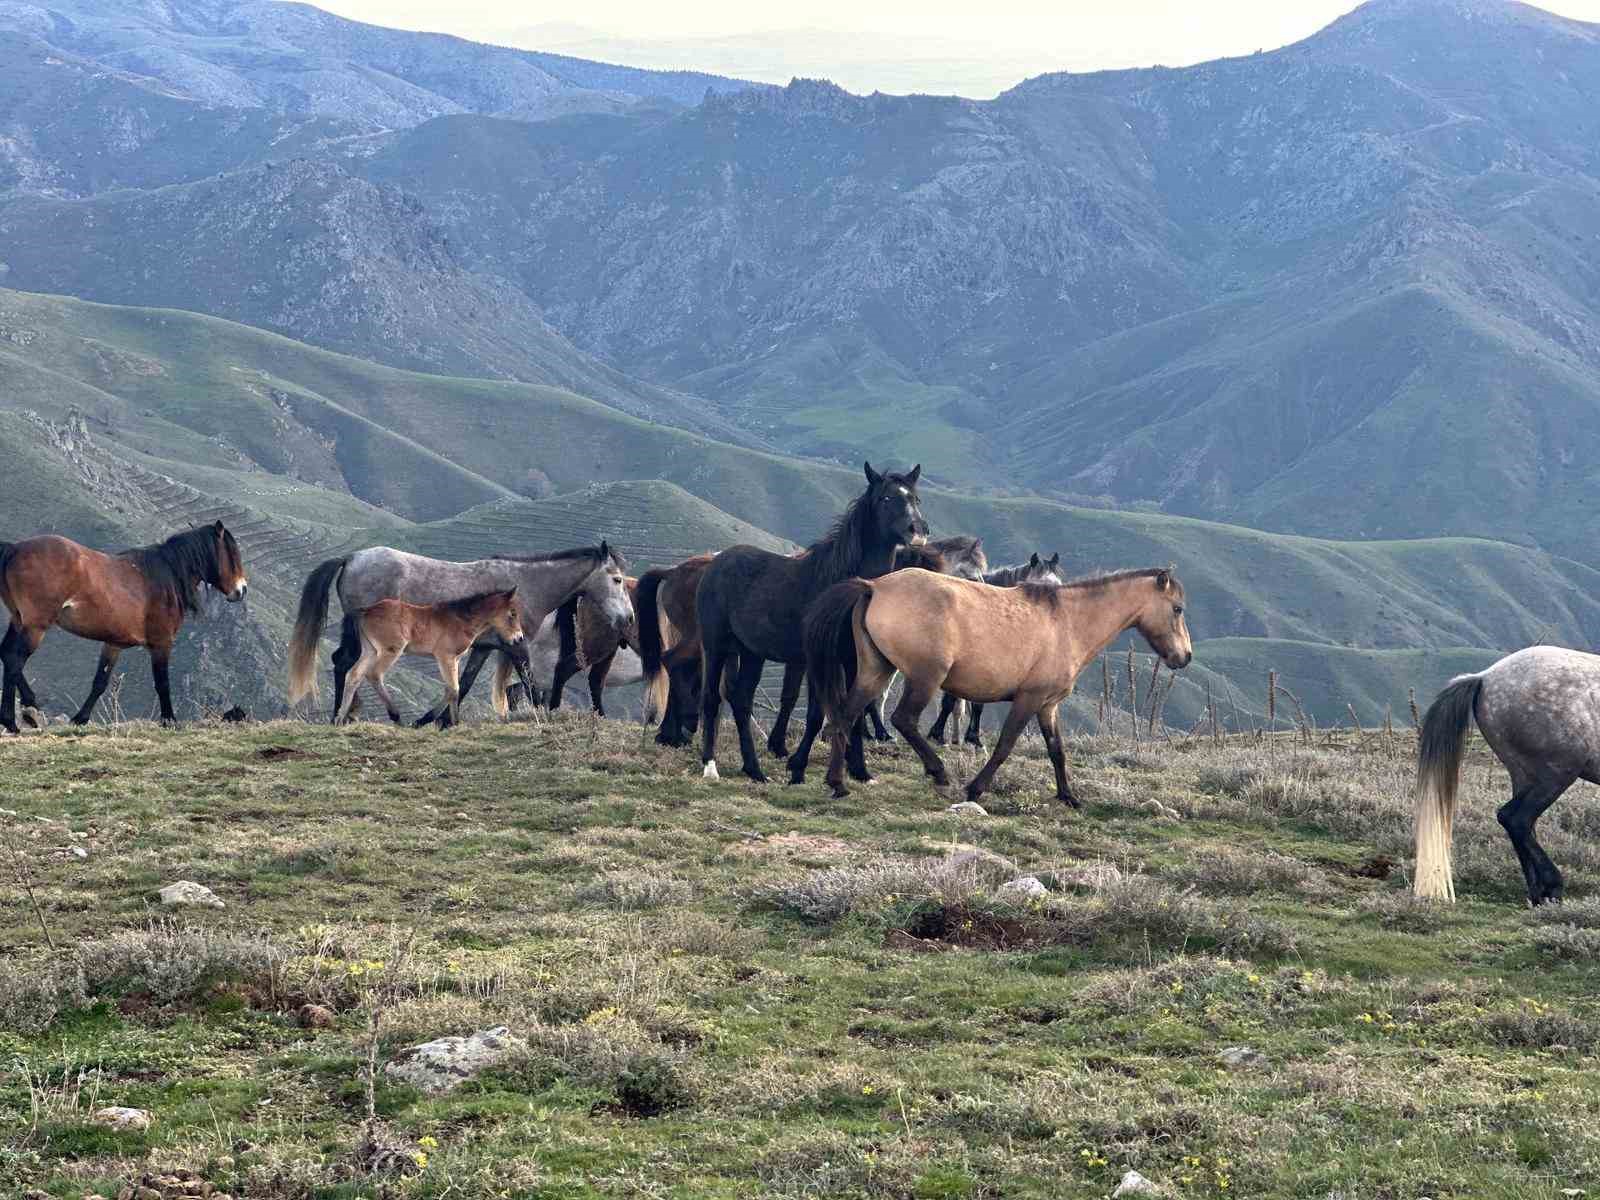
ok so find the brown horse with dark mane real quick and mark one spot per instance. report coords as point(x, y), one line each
point(1024, 644)
point(135, 598)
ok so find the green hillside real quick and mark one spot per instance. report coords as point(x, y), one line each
point(154, 419)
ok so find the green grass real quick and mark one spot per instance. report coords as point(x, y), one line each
point(734, 991)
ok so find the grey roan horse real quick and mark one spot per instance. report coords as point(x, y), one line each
point(1539, 710)
point(544, 582)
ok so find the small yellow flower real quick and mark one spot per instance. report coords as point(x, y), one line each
point(418, 1157)
point(428, 1143)
point(866, 1089)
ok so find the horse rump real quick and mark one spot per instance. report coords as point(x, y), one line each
point(1441, 746)
point(830, 642)
point(312, 616)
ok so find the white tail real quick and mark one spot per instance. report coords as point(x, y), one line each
point(1441, 745)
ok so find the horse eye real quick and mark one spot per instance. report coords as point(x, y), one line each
point(1177, 610)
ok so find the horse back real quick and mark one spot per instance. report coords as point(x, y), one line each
point(759, 598)
point(51, 579)
point(1541, 705)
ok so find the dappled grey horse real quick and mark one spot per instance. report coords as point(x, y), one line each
point(1539, 710)
point(544, 582)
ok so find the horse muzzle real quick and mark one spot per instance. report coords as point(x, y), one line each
point(238, 593)
point(1179, 661)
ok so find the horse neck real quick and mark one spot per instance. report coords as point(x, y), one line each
point(867, 557)
point(543, 587)
point(1096, 616)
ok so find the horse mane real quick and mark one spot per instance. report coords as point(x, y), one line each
point(465, 605)
point(1105, 578)
point(592, 552)
point(175, 565)
point(925, 557)
point(1048, 593)
point(837, 554)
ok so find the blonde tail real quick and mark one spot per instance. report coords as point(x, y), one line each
point(503, 670)
point(1441, 746)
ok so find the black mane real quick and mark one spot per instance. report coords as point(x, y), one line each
point(839, 553)
point(180, 564)
point(590, 552)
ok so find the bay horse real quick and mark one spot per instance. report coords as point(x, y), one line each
point(597, 647)
point(751, 603)
point(1025, 644)
point(1539, 710)
point(1035, 570)
point(669, 644)
point(133, 598)
point(445, 631)
point(543, 582)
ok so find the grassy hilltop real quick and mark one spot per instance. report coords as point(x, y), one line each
point(734, 991)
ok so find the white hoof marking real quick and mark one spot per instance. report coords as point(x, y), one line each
point(711, 770)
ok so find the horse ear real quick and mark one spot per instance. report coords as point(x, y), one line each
point(1034, 561)
point(916, 474)
point(605, 550)
point(219, 528)
point(873, 478)
point(1164, 580)
point(1055, 559)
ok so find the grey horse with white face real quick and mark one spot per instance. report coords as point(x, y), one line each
point(1539, 710)
point(544, 582)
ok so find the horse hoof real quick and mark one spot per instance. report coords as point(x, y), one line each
point(840, 791)
point(777, 750)
point(1070, 800)
point(757, 776)
point(710, 771)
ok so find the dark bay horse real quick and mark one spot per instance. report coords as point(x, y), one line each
point(444, 631)
point(1539, 710)
point(1024, 644)
point(669, 644)
point(135, 598)
point(1035, 570)
point(544, 582)
point(751, 603)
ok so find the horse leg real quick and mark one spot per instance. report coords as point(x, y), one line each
point(24, 691)
point(345, 656)
point(566, 668)
point(974, 736)
point(875, 711)
point(102, 676)
point(14, 653)
point(855, 757)
point(801, 757)
point(948, 705)
point(742, 702)
point(907, 713)
point(449, 665)
point(714, 660)
point(597, 683)
point(388, 701)
point(475, 660)
point(1518, 819)
point(1050, 730)
point(1016, 719)
point(160, 660)
point(778, 739)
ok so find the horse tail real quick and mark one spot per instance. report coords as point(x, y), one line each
point(503, 668)
point(1441, 745)
point(652, 640)
point(308, 629)
point(830, 641)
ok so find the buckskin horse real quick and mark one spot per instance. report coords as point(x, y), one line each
point(751, 602)
point(133, 598)
point(1025, 644)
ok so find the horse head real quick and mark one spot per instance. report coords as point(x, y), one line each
point(606, 590)
point(228, 575)
point(894, 508)
point(1162, 623)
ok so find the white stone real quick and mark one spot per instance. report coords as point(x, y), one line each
point(1241, 1057)
point(967, 808)
point(445, 1063)
point(114, 1116)
point(1027, 888)
point(1135, 1184)
point(186, 892)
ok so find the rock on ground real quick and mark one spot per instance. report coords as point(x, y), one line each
point(1135, 1184)
point(967, 808)
point(186, 892)
point(444, 1063)
point(114, 1116)
point(1241, 1057)
point(314, 1016)
point(1027, 888)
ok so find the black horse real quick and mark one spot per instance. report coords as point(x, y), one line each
point(751, 602)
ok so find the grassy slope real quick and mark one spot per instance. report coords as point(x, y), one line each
point(251, 419)
point(596, 896)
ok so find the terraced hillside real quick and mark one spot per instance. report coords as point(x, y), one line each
point(154, 418)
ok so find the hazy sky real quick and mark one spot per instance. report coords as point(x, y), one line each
point(969, 45)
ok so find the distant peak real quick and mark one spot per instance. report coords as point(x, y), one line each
point(1496, 12)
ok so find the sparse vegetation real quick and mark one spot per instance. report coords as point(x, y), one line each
point(727, 991)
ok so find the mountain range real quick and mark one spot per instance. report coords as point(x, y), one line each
point(362, 282)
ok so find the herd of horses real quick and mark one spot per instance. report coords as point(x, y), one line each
point(872, 600)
